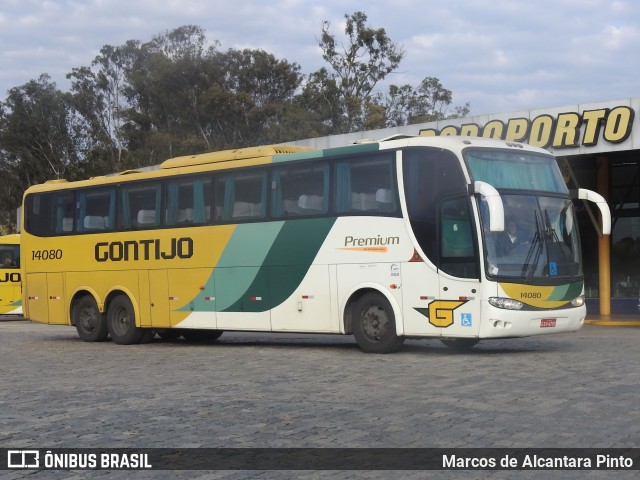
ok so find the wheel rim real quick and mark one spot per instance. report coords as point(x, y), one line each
point(121, 321)
point(89, 319)
point(375, 322)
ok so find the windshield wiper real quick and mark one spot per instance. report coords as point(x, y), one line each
point(556, 245)
point(538, 241)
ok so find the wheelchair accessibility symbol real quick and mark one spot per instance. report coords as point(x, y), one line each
point(466, 320)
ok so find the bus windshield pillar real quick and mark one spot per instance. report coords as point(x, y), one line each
point(494, 203)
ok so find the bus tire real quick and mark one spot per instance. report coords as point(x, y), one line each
point(374, 325)
point(460, 344)
point(90, 323)
point(121, 321)
point(200, 335)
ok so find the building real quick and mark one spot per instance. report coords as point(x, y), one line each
point(598, 147)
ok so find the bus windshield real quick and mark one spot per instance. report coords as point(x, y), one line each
point(10, 256)
point(540, 240)
point(515, 170)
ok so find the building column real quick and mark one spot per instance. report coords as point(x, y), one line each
point(604, 253)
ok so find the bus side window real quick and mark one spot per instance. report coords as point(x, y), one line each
point(39, 209)
point(366, 185)
point(429, 175)
point(64, 212)
point(187, 201)
point(139, 206)
point(241, 196)
point(96, 210)
point(457, 256)
point(299, 191)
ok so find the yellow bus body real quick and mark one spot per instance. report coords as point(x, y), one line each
point(10, 289)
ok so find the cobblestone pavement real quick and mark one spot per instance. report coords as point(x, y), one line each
point(287, 390)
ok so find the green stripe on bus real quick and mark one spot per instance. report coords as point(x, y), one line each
point(352, 149)
point(329, 152)
point(249, 244)
point(566, 292)
point(237, 268)
point(286, 264)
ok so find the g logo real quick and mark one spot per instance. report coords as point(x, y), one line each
point(440, 312)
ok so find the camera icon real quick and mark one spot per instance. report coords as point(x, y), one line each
point(23, 459)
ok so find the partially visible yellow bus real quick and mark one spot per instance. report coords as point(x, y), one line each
point(10, 289)
point(384, 240)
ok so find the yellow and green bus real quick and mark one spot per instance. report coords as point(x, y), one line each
point(10, 288)
point(383, 240)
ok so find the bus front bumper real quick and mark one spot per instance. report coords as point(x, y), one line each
point(503, 323)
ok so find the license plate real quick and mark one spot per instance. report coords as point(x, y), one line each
point(547, 323)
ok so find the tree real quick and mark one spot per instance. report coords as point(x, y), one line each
point(428, 102)
point(36, 141)
point(166, 79)
point(187, 99)
point(140, 103)
point(321, 98)
point(259, 95)
point(98, 99)
point(357, 67)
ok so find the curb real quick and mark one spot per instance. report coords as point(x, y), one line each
point(614, 323)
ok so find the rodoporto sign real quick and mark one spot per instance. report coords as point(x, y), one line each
point(562, 131)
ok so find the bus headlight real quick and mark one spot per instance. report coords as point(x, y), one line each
point(578, 301)
point(506, 303)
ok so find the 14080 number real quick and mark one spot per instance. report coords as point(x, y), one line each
point(46, 254)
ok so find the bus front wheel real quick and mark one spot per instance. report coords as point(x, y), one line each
point(374, 325)
point(121, 321)
point(90, 323)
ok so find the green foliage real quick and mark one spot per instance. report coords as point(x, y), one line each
point(406, 105)
point(367, 58)
point(138, 104)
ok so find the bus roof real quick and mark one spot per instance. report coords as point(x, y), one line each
point(243, 157)
point(229, 155)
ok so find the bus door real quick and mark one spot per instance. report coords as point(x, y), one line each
point(458, 302)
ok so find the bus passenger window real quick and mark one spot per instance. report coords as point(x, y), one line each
point(187, 201)
point(241, 196)
point(300, 190)
point(139, 205)
point(366, 185)
point(96, 209)
point(64, 212)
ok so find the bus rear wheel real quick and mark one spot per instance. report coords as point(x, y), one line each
point(121, 321)
point(90, 323)
point(374, 325)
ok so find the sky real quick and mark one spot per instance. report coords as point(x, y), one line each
point(499, 55)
